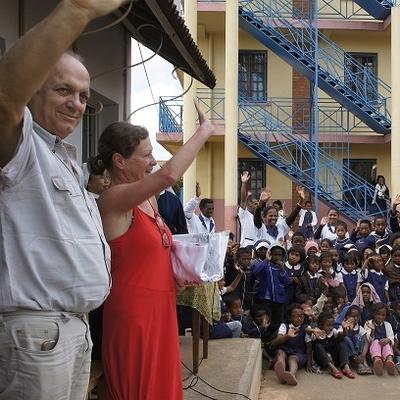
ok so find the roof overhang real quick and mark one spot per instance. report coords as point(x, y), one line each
point(149, 20)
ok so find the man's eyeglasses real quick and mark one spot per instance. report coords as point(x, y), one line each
point(161, 227)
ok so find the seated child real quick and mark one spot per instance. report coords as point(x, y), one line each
point(372, 272)
point(355, 338)
point(366, 297)
point(234, 304)
point(381, 340)
point(329, 348)
point(257, 324)
point(294, 269)
point(310, 283)
point(291, 346)
point(330, 277)
point(225, 327)
point(273, 281)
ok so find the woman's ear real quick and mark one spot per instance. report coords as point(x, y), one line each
point(118, 161)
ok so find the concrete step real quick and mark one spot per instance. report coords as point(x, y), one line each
point(233, 365)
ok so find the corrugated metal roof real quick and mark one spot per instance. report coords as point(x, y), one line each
point(149, 19)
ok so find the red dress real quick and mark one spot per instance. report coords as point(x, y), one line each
point(141, 355)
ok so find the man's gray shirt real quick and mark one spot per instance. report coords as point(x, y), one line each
point(53, 253)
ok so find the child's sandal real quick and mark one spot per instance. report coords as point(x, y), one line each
point(289, 378)
point(337, 375)
point(377, 365)
point(349, 374)
point(390, 367)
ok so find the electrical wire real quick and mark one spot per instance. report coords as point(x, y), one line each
point(116, 22)
point(147, 78)
point(211, 386)
point(98, 111)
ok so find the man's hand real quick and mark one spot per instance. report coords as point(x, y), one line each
point(245, 176)
point(96, 8)
point(198, 189)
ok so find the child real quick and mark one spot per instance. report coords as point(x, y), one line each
point(395, 316)
point(381, 340)
point(273, 281)
point(336, 265)
point(325, 245)
point(257, 324)
point(392, 271)
point(349, 276)
point(294, 269)
point(260, 249)
point(234, 305)
point(330, 278)
point(372, 272)
point(366, 297)
point(291, 346)
point(310, 284)
point(241, 267)
point(330, 350)
point(381, 233)
point(298, 239)
point(225, 327)
point(355, 338)
point(311, 248)
point(361, 235)
point(385, 251)
point(342, 239)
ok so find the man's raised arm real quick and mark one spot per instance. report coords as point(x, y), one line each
point(24, 68)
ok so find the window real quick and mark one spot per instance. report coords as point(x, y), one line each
point(361, 167)
point(361, 79)
point(90, 133)
point(253, 75)
point(256, 169)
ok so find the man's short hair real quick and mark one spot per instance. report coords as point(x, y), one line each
point(204, 202)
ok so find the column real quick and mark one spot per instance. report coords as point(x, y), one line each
point(231, 112)
point(189, 110)
point(395, 106)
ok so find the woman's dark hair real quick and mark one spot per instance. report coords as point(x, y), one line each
point(334, 209)
point(379, 177)
point(267, 209)
point(119, 137)
point(95, 166)
point(309, 259)
point(300, 250)
point(330, 244)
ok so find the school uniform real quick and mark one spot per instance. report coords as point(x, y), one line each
point(377, 279)
point(273, 234)
point(309, 286)
point(294, 271)
point(392, 271)
point(295, 346)
point(380, 240)
point(248, 231)
point(350, 280)
point(339, 245)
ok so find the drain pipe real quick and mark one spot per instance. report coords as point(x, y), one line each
point(316, 116)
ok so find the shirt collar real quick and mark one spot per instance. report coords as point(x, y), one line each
point(344, 272)
point(311, 276)
point(53, 140)
point(294, 267)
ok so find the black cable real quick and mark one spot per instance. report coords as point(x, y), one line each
point(203, 394)
point(211, 386)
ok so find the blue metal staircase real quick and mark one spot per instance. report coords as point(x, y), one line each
point(293, 154)
point(379, 9)
point(339, 75)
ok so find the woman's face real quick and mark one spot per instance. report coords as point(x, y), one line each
point(333, 217)
point(271, 217)
point(380, 316)
point(98, 183)
point(324, 246)
point(381, 180)
point(141, 161)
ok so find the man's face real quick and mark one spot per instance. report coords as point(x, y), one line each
point(59, 104)
point(208, 210)
point(364, 230)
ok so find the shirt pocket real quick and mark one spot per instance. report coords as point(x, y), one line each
point(66, 193)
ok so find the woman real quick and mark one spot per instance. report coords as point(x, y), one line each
point(381, 196)
point(140, 337)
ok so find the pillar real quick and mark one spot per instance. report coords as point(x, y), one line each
point(395, 106)
point(231, 113)
point(189, 110)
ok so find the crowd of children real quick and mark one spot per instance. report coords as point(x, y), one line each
point(323, 298)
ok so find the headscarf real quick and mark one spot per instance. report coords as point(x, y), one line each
point(373, 297)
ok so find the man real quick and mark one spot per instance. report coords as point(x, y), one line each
point(247, 207)
point(53, 257)
point(204, 222)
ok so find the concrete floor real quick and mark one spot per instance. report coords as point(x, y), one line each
point(325, 387)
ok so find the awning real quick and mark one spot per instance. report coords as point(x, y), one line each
point(178, 46)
